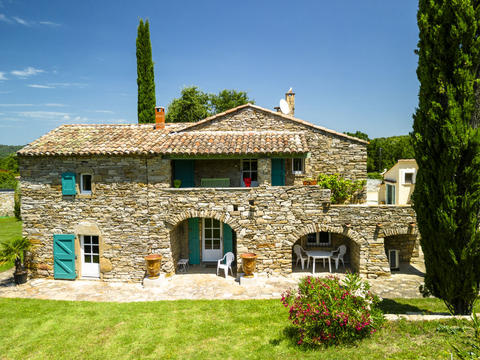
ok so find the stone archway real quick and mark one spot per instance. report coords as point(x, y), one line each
point(357, 246)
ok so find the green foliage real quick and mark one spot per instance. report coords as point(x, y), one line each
point(358, 134)
point(12, 250)
point(374, 175)
point(194, 104)
point(446, 141)
point(383, 153)
point(330, 312)
point(6, 150)
point(472, 345)
point(7, 180)
point(145, 76)
point(17, 204)
point(228, 99)
point(10, 163)
point(342, 189)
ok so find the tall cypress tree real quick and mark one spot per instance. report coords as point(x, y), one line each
point(145, 76)
point(446, 140)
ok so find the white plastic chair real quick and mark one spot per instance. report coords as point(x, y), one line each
point(338, 255)
point(298, 250)
point(228, 257)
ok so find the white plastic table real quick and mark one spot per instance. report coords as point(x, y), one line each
point(319, 254)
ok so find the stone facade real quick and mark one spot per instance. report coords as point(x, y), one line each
point(7, 202)
point(135, 213)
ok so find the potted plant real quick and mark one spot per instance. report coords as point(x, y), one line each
point(177, 183)
point(13, 251)
point(309, 181)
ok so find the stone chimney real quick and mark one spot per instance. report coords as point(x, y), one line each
point(290, 98)
point(159, 117)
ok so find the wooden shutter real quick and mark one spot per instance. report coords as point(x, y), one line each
point(64, 256)
point(278, 172)
point(227, 239)
point(68, 184)
point(184, 170)
point(193, 241)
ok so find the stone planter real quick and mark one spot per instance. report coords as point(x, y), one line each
point(154, 261)
point(249, 261)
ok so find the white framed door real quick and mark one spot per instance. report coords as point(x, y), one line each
point(212, 247)
point(90, 256)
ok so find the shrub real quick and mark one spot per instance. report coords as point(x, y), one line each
point(342, 189)
point(329, 311)
point(7, 180)
point(17, 203)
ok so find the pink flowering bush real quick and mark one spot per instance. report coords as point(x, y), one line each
point(332, 311)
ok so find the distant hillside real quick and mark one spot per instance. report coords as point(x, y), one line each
point(6, 150)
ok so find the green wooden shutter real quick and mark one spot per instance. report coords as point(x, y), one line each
point(68, 184)
point(193, 241)
point(64, 256)
point(227, 239)
point(184, 170)
point(278, 172)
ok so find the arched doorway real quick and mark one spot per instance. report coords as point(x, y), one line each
point(403, 254)
point(202, 241)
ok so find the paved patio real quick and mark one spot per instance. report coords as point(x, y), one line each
point(192, 286)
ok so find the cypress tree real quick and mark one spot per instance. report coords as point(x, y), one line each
point(145, 76)
point(446, 141)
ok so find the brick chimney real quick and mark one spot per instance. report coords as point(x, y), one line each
point(159, 117)
point(290, 98)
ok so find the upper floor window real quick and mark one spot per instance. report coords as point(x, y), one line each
point(249, 170)
point(408, 178)
point(322, 238)
point(298, 166)
point(85, 183)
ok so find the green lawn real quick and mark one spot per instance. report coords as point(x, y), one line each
point(9, 228)
point(221, 329)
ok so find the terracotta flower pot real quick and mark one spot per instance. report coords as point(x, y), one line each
point(249, 261)
point(153, 265)
point(313, 182)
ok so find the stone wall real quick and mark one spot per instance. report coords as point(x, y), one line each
point(406, 244)
point(7, 202)
point(137, 213)
point(218, 169)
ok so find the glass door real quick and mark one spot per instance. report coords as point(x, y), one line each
point(212, 240)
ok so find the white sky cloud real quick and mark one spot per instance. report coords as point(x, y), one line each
point(68, 84)
point(15, 105)
point(37, 86)
point(21, 21)
point(55, 105)
point(49, 23)
point(2, 76)
point(5, 19)
point(103, 111)
point(29, 71)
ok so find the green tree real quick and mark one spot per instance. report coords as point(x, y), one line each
point(194, 104)
point(228, 99)
point(383, 153)
point(358, 134)
point(447, 191)
point(10, 163)
point(145, 76)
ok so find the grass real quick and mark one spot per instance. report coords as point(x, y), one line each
point(9, 228)
point(218, 329)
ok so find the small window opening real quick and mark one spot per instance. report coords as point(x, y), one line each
point(298, 166)
point(409, 178)
point(86, 184)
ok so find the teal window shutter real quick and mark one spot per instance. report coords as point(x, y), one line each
point(184, 170)
point(227, 239)
point(64, 256)
point(68, 184)
point(278, 172)
point(193, 241)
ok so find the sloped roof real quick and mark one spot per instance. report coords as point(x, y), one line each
point(192, 126)
point(144, 139)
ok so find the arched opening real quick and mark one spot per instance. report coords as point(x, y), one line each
point(197, 243)
point(324, 242)
point(403, 254)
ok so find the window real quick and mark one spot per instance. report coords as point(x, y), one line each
point(408, 178)
point(298, 166)
point(390, 194)
point(85, 184)
point(249, 170)
point(322, 238)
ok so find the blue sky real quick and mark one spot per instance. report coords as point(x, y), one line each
point(351, 63)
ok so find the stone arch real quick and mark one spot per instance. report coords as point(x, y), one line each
point(359, 244)
point(400, 230)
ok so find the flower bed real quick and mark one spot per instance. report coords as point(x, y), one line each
point(330, 311)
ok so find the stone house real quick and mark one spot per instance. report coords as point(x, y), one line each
point(398, 183)
point(97, 198)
